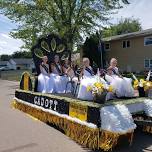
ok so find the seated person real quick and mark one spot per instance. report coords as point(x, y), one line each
point(56, 66)
point(87, 70)
point(57, 74)
point(122, 85)
point(45, 82)
point(67, 68)
point(88, 79)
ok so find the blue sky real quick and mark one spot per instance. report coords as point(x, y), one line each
point(141, 9)
point(8, 45)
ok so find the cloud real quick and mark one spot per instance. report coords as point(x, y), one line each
point(8, 45)
point(140, 9)
point(6, 25)
point(5, 36)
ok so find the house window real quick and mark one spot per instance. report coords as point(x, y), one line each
point(126, 44)
point(148, 41)
point(107, 46)
point(148, 63)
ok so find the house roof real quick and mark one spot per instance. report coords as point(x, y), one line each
point(3, 63)
point(22, 61)
point(129, 35)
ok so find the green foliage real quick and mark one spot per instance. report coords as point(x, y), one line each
point(124, 26)
point(5, 57)
point(17, 54)
point(69, 18)
point(22, 54)
point(91, 50)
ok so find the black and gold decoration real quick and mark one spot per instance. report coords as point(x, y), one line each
point(49, 46)
point(84, 111)
point(84, 125)
point(144, 121)
point(26, 82)
point(64, 107)
point(82, 134)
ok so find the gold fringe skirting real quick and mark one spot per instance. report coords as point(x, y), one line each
point(93, 138)
point(147, 128)
point(108, 139)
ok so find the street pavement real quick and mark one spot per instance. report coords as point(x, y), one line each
point(20, 133)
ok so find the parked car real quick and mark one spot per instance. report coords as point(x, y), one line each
point(2, 68)
point(5, 69)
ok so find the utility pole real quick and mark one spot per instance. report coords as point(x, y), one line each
point(101, 49)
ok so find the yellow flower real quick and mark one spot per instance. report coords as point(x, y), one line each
point(135, 87)
point(100, 89)
point(142, 81)
point(148, 83)
point(146, 88)
point(110, 89)
point(136, 82)
point(89, 88)
point(98, 85)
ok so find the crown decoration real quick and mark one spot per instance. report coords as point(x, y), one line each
point(49, 46)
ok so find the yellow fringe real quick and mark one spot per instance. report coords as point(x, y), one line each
point(108, 139)
point(84, 135)
point(88, 137)
point(147, 129)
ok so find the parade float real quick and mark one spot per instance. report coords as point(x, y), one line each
point(91, 124)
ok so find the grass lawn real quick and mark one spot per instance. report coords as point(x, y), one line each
point(12, 75)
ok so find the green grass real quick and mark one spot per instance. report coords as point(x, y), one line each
point(13, 75)
point(139, 76)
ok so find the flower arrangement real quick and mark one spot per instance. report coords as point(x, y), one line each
point(99, 88)
point(143, 86)
point(146, 84)
point(142, 83)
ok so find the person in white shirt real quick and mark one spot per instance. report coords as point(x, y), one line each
point(60, 79)
point(88, 79)
point(45, 82)
point(122, 85)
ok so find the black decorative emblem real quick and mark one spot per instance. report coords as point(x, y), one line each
point(49, 46)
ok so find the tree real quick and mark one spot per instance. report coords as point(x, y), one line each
point(124, 26)
point(71, 19)
point(21, 54)
point(17, 54)
point(5, 57)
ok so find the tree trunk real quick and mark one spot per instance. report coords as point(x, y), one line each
point(70, 46)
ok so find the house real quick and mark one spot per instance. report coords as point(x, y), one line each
point(133, 50)
point(21, 63)
point(5, 64)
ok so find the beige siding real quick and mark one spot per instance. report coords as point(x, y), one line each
point(130, 58)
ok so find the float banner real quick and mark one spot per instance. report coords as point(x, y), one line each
point(85, 111)
point(44, 101)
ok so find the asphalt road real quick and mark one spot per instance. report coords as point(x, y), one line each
point(21, 133)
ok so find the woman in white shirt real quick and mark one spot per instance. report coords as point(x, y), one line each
point(88, 78)
point(122, 85)
point(45, 82)
point(57, 74)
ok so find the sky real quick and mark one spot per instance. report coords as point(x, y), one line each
point(140, 9)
